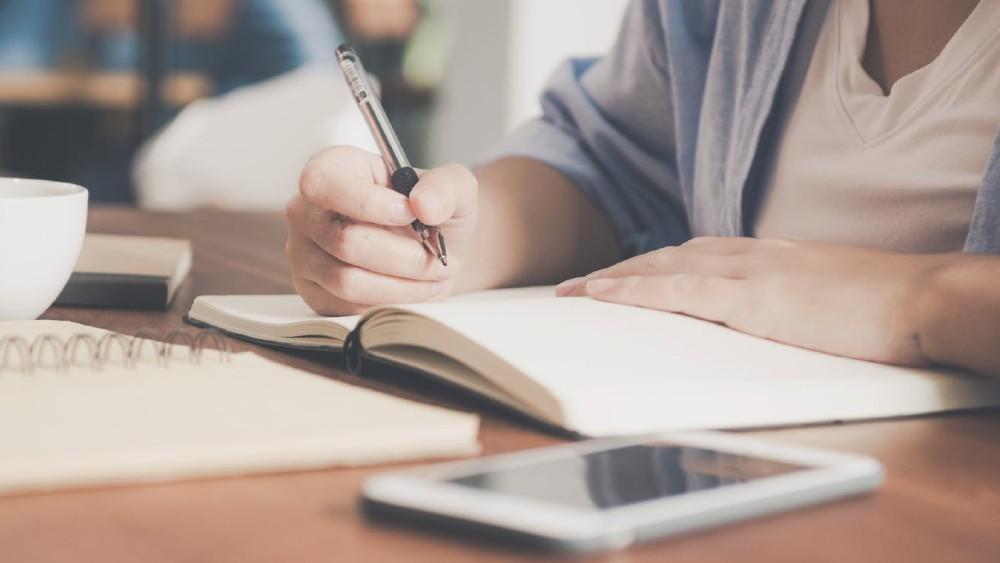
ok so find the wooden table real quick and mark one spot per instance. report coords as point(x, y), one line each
point(105, 89)
point(941, 501)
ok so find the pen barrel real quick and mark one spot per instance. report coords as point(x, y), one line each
point(403, 180)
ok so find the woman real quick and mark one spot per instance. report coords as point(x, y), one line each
point(857, 142)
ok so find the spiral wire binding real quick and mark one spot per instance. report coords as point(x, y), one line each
point(48, 351)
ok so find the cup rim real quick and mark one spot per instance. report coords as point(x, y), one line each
point(56, 188)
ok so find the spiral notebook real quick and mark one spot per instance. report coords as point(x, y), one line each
point(598, 368)
point(81, 407)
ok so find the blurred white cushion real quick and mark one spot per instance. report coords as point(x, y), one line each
point(245, 150)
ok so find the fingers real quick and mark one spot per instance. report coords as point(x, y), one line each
point(353, 285)
point(353, 182)
point(385, 252)
point(675, 259)
point(322, 302)
point(715, 258)
point(380, 250)
point(350, 244)
point(707, 297)
point(724, 245)
point(444, 193)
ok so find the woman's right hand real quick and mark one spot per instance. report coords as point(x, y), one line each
point(350, 245)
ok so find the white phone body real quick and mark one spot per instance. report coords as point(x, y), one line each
point(433, 495)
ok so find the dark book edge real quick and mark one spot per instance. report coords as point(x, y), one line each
point(261, 341)
point(128, 291)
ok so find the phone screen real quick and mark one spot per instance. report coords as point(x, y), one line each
point(626, 475)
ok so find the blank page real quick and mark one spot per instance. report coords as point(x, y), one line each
point(620, 369)
point(283, 319)
point(286, 319)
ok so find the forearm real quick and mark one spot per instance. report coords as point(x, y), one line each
point(959, 314)
point(535, 227)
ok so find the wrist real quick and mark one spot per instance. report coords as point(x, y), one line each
point(926, 312)
point(942, 302)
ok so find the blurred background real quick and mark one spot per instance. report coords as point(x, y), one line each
point(174, 104)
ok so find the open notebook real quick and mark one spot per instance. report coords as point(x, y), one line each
point(599, 369)
point(151, 421)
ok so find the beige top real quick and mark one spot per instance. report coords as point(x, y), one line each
point(898, 172)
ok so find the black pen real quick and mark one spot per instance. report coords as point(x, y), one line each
point(402, 176)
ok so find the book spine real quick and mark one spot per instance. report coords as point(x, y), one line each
point(353, 350)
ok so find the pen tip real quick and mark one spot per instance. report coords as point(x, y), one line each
point(444, 251)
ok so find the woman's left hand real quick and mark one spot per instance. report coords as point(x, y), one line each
point(838, 299)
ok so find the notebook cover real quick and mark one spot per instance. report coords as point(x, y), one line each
point(124, 271)
point(130, 291)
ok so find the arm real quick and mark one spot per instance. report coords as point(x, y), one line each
point(910, 309)
point(350, 246)
point(958, 315)
point(604, 142)
point(535, 227)
point(595, 178)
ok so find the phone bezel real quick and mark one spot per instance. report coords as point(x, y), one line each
point(426, 490)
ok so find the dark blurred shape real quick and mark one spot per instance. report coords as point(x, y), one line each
point(381, 32)
point(72, 74)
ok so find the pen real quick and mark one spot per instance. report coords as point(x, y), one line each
point(402, 176)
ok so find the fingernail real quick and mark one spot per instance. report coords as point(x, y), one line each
point(567, 287)
point(399, 212)
point(431, 203)
point(600, 286)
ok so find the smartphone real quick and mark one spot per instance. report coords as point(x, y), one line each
point(612, 493)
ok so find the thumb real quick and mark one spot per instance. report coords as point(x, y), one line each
point(444, 193)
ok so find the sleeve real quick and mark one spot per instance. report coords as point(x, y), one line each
point(607, 124)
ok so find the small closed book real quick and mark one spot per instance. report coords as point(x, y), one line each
point(85, 416)
point(598, 368)
point(127, 272)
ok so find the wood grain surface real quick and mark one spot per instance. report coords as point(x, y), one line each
point(111, 90)
point(941, 501)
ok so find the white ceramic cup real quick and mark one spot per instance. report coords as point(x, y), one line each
point(41, 232)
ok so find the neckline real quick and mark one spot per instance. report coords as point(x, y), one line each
point(874, 114)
